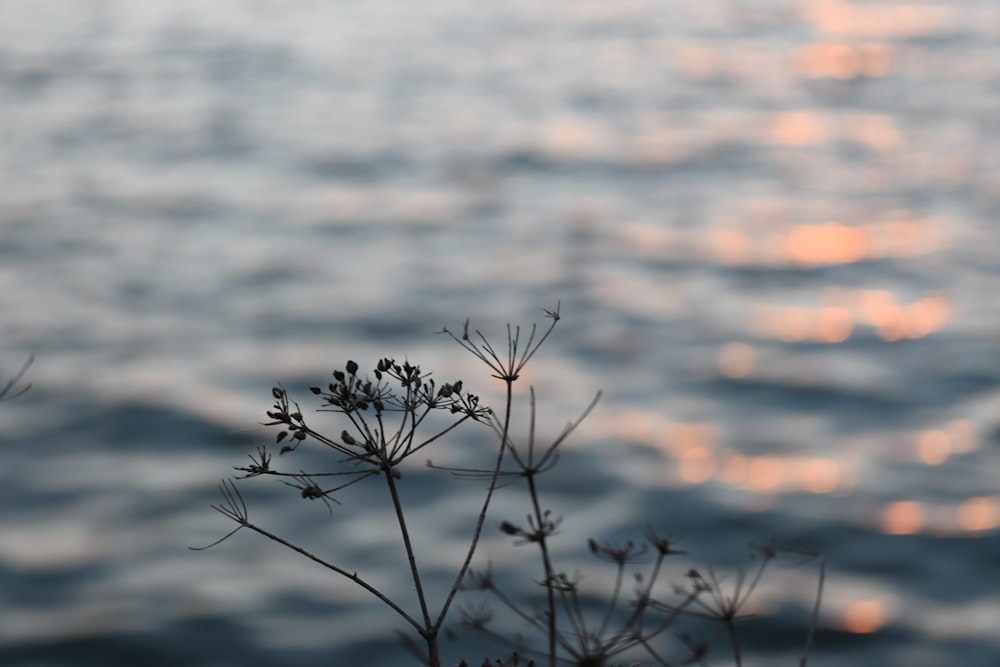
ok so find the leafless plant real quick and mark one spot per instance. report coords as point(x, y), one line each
point(386, 419)
point(387, 422)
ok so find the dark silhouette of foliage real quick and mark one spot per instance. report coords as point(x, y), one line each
point(387, 418)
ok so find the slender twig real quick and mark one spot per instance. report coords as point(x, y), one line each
point(236, 509)
point(814, 620)
point(481, 519)
point(550, 599)
point(5, 392)
point(613, 600)
point(353, 576)
point(410, 556)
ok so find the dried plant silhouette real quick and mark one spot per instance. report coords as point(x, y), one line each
point(399, 410)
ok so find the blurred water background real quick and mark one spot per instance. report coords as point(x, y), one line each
point(771, 226)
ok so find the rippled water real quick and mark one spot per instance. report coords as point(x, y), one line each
point(770, 226)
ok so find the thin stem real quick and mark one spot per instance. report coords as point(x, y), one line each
point(477, 532)
point(613, 602)
point(547, 564)
point(734, 640)
point(353, 576)
point(404, 443)
point(642, 603)
point(410, 556)
point(571, 603)
point(431, 439)
point(5, 391)
point(814, 621)
point(510, 604)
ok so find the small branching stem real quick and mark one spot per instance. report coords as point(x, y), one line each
point(408, 545)
point(543, 547)
point(734, 640)
point(8, 389)
point(613, 601)
point(481, 519)
point(353, 576)
point(814, 621)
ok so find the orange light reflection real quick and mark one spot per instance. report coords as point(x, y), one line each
point(820, 475)
point(934, 447)
point(799, 129)
point(979, 514)
point(736, 360)
point(903, 517)
point(730, 246)
point(765, 474)
point(828, 243)
point(790, 324)
point(842, 61)
point(876, 131)
point(764, 242)
point(879, 20)
point(865, 617)
point(832, 324)
point(835, 324)
point(734, 469)
point(964, 435)
point(696, 465)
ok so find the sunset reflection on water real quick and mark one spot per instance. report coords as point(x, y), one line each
point(771, 226)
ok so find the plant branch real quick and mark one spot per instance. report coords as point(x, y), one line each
point(5, 392)
point(481, 519)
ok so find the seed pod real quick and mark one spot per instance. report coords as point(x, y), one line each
point(509, 528)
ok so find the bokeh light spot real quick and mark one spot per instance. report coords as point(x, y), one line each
point(864, 617)
point(821, 476)
point(979, 514)
point(934, 447)
point(835, 324)
point(696, 465)
point(903, 517)
point(736, 360)
point(765, 474)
